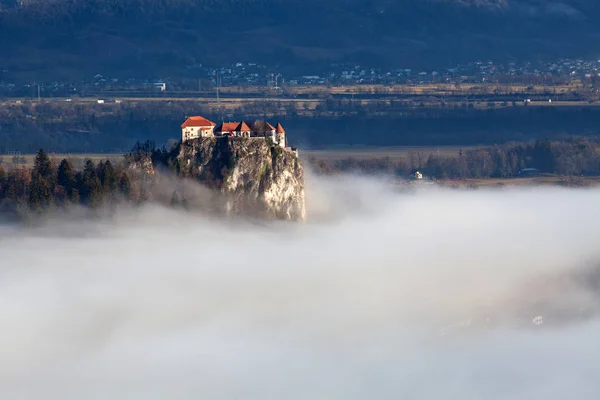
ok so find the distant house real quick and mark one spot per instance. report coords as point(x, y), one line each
point(418, 178)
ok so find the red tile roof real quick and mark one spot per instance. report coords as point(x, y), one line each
point(279, 128)
point(242, 127)
point(198, 121)
point(227, 127)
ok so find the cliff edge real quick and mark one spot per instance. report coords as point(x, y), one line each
point(253, 175)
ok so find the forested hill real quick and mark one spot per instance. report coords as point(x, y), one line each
point(71, 38)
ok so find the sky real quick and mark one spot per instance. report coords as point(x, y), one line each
point(361, 301)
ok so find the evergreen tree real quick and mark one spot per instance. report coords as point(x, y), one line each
point(100, 173)
point(42, 165)
point(543, 157)
point(108, 178)
point(90, 188)
point(40, 195)
point(66, 179)
point(65, 176)
point(12, 188)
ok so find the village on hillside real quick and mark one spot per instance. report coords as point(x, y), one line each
point(199, 127)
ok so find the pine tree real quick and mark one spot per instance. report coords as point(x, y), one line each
point(42, 165)
point(108, 178)
point(40, 195)
point(100, 173)
point(12, 188)
point(66, 179)
point(90, 187)
point(65, 176)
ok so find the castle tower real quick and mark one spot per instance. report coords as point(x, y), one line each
point(280, 132)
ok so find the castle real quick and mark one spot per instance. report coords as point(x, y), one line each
point(197, 127)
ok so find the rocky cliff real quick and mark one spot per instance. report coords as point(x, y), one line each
point(252, 175)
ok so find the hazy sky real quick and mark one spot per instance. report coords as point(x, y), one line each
point(158, 304)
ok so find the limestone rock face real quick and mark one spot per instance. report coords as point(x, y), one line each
point(253, 175)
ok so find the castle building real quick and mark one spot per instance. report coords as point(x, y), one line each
point(195, 127)
point(280, 132)
point(226, 128)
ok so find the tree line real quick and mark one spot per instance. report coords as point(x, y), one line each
point(574, 157)
point(50, 184)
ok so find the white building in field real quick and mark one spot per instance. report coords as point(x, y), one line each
point(195, 127)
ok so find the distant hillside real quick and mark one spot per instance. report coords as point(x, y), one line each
point(63, 127)
point(75, 38)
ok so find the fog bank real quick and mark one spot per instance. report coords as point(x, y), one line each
point(354, 304)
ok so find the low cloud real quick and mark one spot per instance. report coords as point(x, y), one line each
point(354, 304)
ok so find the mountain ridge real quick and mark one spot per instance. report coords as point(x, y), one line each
point(67, 38)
